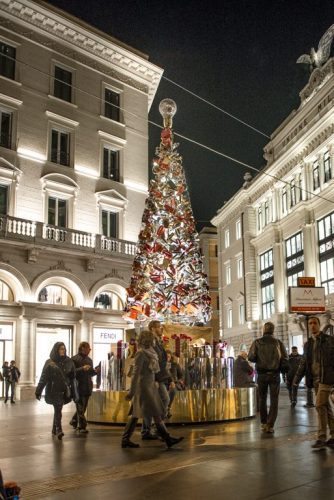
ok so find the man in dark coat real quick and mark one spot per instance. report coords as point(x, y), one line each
point(318, 367)
point(84, 372)
point(11, 379)
point(243, 371)
point(269, 354)
point(294, 361)
point(57, 376)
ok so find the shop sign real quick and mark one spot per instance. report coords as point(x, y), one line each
point(306, 281)
point(307, 300)
point(107, 335)
point(6, 332)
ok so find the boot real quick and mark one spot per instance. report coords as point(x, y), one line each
point(60, 434)
point(128, 431)
point(169, 440)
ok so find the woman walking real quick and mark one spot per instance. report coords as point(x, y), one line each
point(57, 376)
point(144, 393)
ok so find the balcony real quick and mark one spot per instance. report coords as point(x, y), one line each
point(38, 233)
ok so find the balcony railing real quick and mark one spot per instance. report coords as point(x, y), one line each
point(12, 228)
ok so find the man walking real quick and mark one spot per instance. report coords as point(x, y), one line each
point(84, 372)
point(161, 377)
point(268, 354)
point(294, 361)
point(11, 379)
point(318, 367)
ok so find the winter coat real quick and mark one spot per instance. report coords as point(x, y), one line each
point(268, 353)
point(14, 374)
point(146, 399)
point(163, 375)
point(84, 378)
point(5, 372)
point(57, 375)
point(243, 373)
point(294, 362)
point(326, 360)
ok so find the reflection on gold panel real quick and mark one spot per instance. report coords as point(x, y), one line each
point(197, 405)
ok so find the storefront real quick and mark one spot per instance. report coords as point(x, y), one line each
point(6, 348)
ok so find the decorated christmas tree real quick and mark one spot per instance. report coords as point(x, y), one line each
point(168, 282)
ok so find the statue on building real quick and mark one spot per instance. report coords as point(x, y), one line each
point(316, 59)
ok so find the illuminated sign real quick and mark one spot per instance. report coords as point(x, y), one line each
point(306, 281)
point(107, 335)
point(307, 299)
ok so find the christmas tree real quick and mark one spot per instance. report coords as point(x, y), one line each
point(168, 282)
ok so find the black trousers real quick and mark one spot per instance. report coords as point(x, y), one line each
point(79, 416)
point(268, 381)
point(10, 384)
point(57, 417)
point(293, 391)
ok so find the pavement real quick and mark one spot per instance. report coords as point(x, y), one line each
point(228, 460)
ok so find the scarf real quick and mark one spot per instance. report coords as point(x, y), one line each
point(153, 360)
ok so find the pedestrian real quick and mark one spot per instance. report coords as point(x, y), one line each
point(175, 382)
point(294, 361)
point(12, 376)
point(243, 371)
point(57, 376)
point(318, 367)
point(161, 377)
point(84, 372)
point(269, 356)
point(144, 393)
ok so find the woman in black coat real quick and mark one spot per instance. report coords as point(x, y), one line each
point(57, 376)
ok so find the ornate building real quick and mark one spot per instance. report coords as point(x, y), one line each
point(74, 104)
point(209, 249)
point(280, 225)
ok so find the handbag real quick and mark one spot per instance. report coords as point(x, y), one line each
point(75, 390)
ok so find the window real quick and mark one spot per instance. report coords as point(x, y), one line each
point(60, 147)
point(284, 200)
point(229, 318)
point(5, 292)
point(111, 164)
point(267, 284)
point(57, 212)
point(108, 300)
point(7, 61)
point(5, 129)
point(238, 229)
point(240, 267)
point(227, 238)
point(109, 224)
point(111, 105)
point(259, 218)
point(327, 167)
point(228, 274)
point(54, 294)
point(292, 193)
point(241, 314)
point(326, 252)
point(217, 303)
point(3, 200)
point(316, 178)
point(266, 213)
point(294, 252)
point(62, 84)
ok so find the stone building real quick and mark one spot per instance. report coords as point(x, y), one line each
point(74, 104)
point(280, 225)
point(209, 249)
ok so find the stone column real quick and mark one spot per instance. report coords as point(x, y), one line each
point(310, 246)
point(279, 274)
point(26, 357)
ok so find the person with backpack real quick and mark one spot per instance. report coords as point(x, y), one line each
point(270, 358)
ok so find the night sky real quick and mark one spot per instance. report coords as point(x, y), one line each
point(238, 54)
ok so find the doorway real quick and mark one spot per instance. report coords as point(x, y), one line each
point(6, 349)
point(46, 337)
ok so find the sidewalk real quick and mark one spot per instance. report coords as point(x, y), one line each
point(227, 460)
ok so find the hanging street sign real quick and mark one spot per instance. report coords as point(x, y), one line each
point(306, 281)
point(307, 299)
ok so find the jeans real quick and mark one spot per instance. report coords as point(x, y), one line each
point(271, 381)
point(79, 416)
point(147, 422)
point(325, 416)
point(56, 427)
point(10, 384)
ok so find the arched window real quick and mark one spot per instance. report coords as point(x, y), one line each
point(55, 294)
point(108, 300)
point(6, 292)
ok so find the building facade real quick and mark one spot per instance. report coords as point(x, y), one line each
point(74, 105)
point(209, 248)
point(280, 225)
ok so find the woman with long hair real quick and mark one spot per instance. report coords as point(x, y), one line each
point(144, 393)
point(57, 376)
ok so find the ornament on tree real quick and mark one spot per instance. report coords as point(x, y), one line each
point(168, 282)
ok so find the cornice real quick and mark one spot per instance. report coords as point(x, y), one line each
point(317, 79)
point(131, 68)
